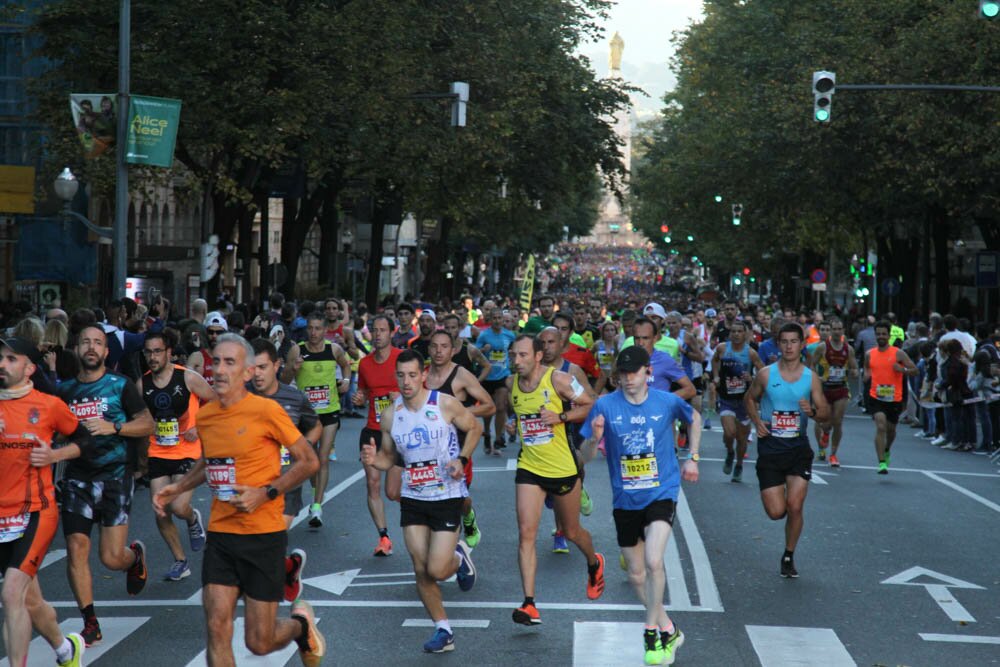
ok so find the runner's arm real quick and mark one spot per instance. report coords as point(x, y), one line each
point(477, 356)
point(351, 346)
point(304, 465)
point(486, 407)
point(903, 359)
point(570, 388)
point(694, 350)
point(293, 361)
point(821, 409)
point(852, 361)
point(384, 457)
point(752, 398)
point(463, 419)
point(755, 358)
point(345, 367)
point(199, 386)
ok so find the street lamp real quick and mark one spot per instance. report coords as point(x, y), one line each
point(66, 187)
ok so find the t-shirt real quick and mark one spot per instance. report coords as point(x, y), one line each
point(665, 371)
point(113, 398)
point(498, 353)
point(298, 408)
point(534, 325)
point(769, 352)
point(37, 416)
point(583, 358)
point(379, 382)
point(639, 441)
point(242, 445)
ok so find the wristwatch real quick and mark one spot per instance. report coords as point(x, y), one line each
point(118, 427)
point(694, 457)
point(562, 417)
point(272, 492)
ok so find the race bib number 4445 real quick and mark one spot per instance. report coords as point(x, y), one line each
point(423, 475)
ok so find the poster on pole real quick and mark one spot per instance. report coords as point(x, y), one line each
point(152, 130)
point(528, 286)
point(95, 118)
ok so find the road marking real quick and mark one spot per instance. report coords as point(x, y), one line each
point(677, 589)
point(511, 464)
point(922, 471)
point(979, 499)
point(365, 604)
point(328, 496)
point(778, 646)
point(243, 655)
point(597, 644)
point(454, 622)
point(53, 556)
point(817, 477)
point(958, 639)
point(708, 592)
point(114, 630)
point(938, 590)
point(337, 582)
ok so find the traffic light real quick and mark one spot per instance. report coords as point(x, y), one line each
point(209, 258)
point(737, 282)
point(690, 238)
point(989, 9)
point(667, 239)
point(665, 229)
point(737, 214)
point(824, 85)
point(718, 199)
point(746, 270)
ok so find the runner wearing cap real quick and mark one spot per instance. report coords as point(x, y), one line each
point(215, 326)
point(636, 423)
point(426, 326)
point(28, 514)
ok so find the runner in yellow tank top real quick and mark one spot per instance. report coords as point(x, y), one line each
point(546, 465)
point(885, 368)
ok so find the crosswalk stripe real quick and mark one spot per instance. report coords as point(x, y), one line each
point(114, 630)
point(676, 583)
point(598, 644)
point(708, 592)
point(53, 556)
point(778, 646)
point(454, 622)
point(243, 656)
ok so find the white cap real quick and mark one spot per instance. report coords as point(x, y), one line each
point(429, 313)
point(215, 319)
point(654, 309)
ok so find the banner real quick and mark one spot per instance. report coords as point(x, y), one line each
point(152, 130)
point(95, 118)
point(528, 286)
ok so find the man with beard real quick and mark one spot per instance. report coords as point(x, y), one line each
point(401, 337)
point(733, 365)
point(495, 343)
point(29, 517)
point(97, 487)
point(885, 367)
point(465, 355)
point(546, 307)
point(721, 334)
point(172, 396)
point(581, 327)
point(338, 327)
point(426, 325)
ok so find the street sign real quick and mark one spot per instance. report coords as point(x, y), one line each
point(890, 286)
point(818, 276)
point(819, 287)
point(988, 270)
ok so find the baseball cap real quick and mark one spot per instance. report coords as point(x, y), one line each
point(632, 359)
point(654, 309)
point(23, 347)
point(429, 313)
point(711, 312)
point(215, 319)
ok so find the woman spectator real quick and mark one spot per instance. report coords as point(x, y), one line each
point(960, 418)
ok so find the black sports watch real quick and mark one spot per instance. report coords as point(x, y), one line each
point(118, 427)
point(272, 492)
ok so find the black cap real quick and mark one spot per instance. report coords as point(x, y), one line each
point(23, 347)
point(632, 359)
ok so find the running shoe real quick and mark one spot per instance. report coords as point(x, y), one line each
point(671, 643)
point(295, 563)
point(622, 563)
point(708, 424)
point(527, 614)
point(952, 446)
point(834, 461)
point(821, 454)
point(682, 440)
point(196, 532)
point(727, 467)
point(586, 504)
point(333, 455)
point(824, 440)
point(315, 515)
point(91, 632)
point(135, 576)
point(888, 456)
point(78, 647)
point(559, 544)
point(653, 647)
point(313, 655)
point(738, 475)
point(940, 440)
point(179, 570)
point(441, 641)
point(384, 547)
point(466, 570)
point(472, 532)
point(595, 581)
point(788, 568)
point(883, 468)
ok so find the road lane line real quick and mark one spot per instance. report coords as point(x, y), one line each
point(958, 639)
point(453, 622)
point(511, 464)
point(708, 592)
point(979, 499)
point(922, 471)
point(328, 496)
point(677, 588)
point(53, 556)
point(778, 646)
point(114, 630)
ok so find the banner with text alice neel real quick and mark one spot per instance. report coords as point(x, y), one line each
point(152, 130)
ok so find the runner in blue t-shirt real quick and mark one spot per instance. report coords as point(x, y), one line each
point(636, 423)
point(495, 343)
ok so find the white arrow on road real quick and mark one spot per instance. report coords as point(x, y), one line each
point(338, 582)
point(817, 477)
point(938, 590)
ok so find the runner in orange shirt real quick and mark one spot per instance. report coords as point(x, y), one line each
point(28, 514)
point(241, 436)
point(885, 367)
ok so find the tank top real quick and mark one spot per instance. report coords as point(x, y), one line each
point(317, 379)
point(835, 367)
point(426, 444)
point(693, 369)
point(173, 409)
point(605, 356)
point(780, 411)
point(732, 365)
point(545, 449)
point(463, 359)
point(887, 384)
point(446, 388)
point(206, 370)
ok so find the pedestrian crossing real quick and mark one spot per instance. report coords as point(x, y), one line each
point(114, 630)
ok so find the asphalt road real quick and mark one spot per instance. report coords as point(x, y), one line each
point(895, 570)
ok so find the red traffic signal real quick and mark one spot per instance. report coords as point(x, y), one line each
point(746, 270)
point(665, 229)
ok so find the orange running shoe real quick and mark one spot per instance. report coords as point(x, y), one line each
point(595, 581)
point(384, 547)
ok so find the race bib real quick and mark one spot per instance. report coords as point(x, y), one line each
point(837, 374)
point(88, 409)
point(221, 476)
point(605, 359)
point(639, 471)
point(735, 385)
point(498, 356)
point(168, 432)
point(286, 457)
point(534, 431)
point(319, 397)
point(785, 424)
point(381, 403)
point(13, 527)
point(885, 392)
point(423, 475)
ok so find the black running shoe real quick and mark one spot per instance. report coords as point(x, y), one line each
point(788, 568)
point(135, 576)
point(91, 632)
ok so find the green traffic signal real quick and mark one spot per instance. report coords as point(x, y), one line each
point(718, 199)
point(989, 8)
point(690, 238)
point(822, 115)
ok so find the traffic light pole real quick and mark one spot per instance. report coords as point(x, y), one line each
point(918, 87)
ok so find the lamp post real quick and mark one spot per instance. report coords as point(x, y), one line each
point(120, 240)
point(66, 187)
